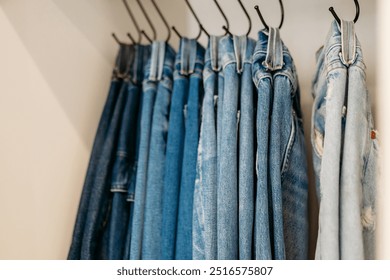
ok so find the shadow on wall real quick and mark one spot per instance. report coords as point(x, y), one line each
point(70, 42)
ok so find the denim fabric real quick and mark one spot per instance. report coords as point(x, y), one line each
point(264, 83)
point(138, 69)
point(235, 226)
point(88, 226)
point(357, 196)
point(345, 149)
point(244, 49)
point(204, 231)
point(329, 115)
point(149, 91)
point(174, 156)
point(188, 176)
point(151, 243)
point(287, 170)
point(186, 61)
point(227, 195)
point(125, 160)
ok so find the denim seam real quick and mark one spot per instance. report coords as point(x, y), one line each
point(290, 144)
point(313, 139)
point(264, 52)
point(189, 76)
point(121, 154)
point(118, 188)
point(196, 75)
point(291, 79)
point(329, 49)
point(163, 82)
point(227, 64)
point(259, 76)
point(180, 78)
point(106, 216)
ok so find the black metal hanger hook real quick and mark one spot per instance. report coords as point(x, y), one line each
point(248, 17)
point(262, 18)
point(331, 9)
point(119, 41)
point(201, 29)
point(225, 27)
point(148, 20)
point(163, 19)
point(131, 15)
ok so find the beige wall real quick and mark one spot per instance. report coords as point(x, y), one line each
point(55, 64)
point(383, 108)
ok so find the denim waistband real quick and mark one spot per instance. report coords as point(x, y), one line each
point(124, 58)
point(224, 50)
point(137, 68)
point(339, 51)
point(190, 57)
point(275, 65)
point(161, 60)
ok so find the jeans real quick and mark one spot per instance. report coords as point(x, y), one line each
point(125, 160)
point(190, 155)
point(235, 225)
point(345, 149)
point(140, 60)
point(287, 182)
point(263, 82)
point(88, 234)
point(161, 74)
point(204, 231)
point(189, 64)
point(148, 99)
point(246, 147)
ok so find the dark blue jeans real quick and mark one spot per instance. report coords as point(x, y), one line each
point(89, 237)
point(126, 154)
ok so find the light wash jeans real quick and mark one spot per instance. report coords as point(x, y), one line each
point(204, 231)
point(345, 149)
point(235, 193)
point(225, 177)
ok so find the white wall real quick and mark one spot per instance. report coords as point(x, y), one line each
point(55, 65)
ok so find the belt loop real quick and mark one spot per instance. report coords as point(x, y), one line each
point(184, 57)
point(161, 60)
point(274, 59)
point(214, 52)
point(153, 62)
point(137, 61)
point(192, 55)
point(348, 42)
point(157, 61)
point(240, 45)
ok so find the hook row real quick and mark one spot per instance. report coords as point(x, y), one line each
point(201, 27)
